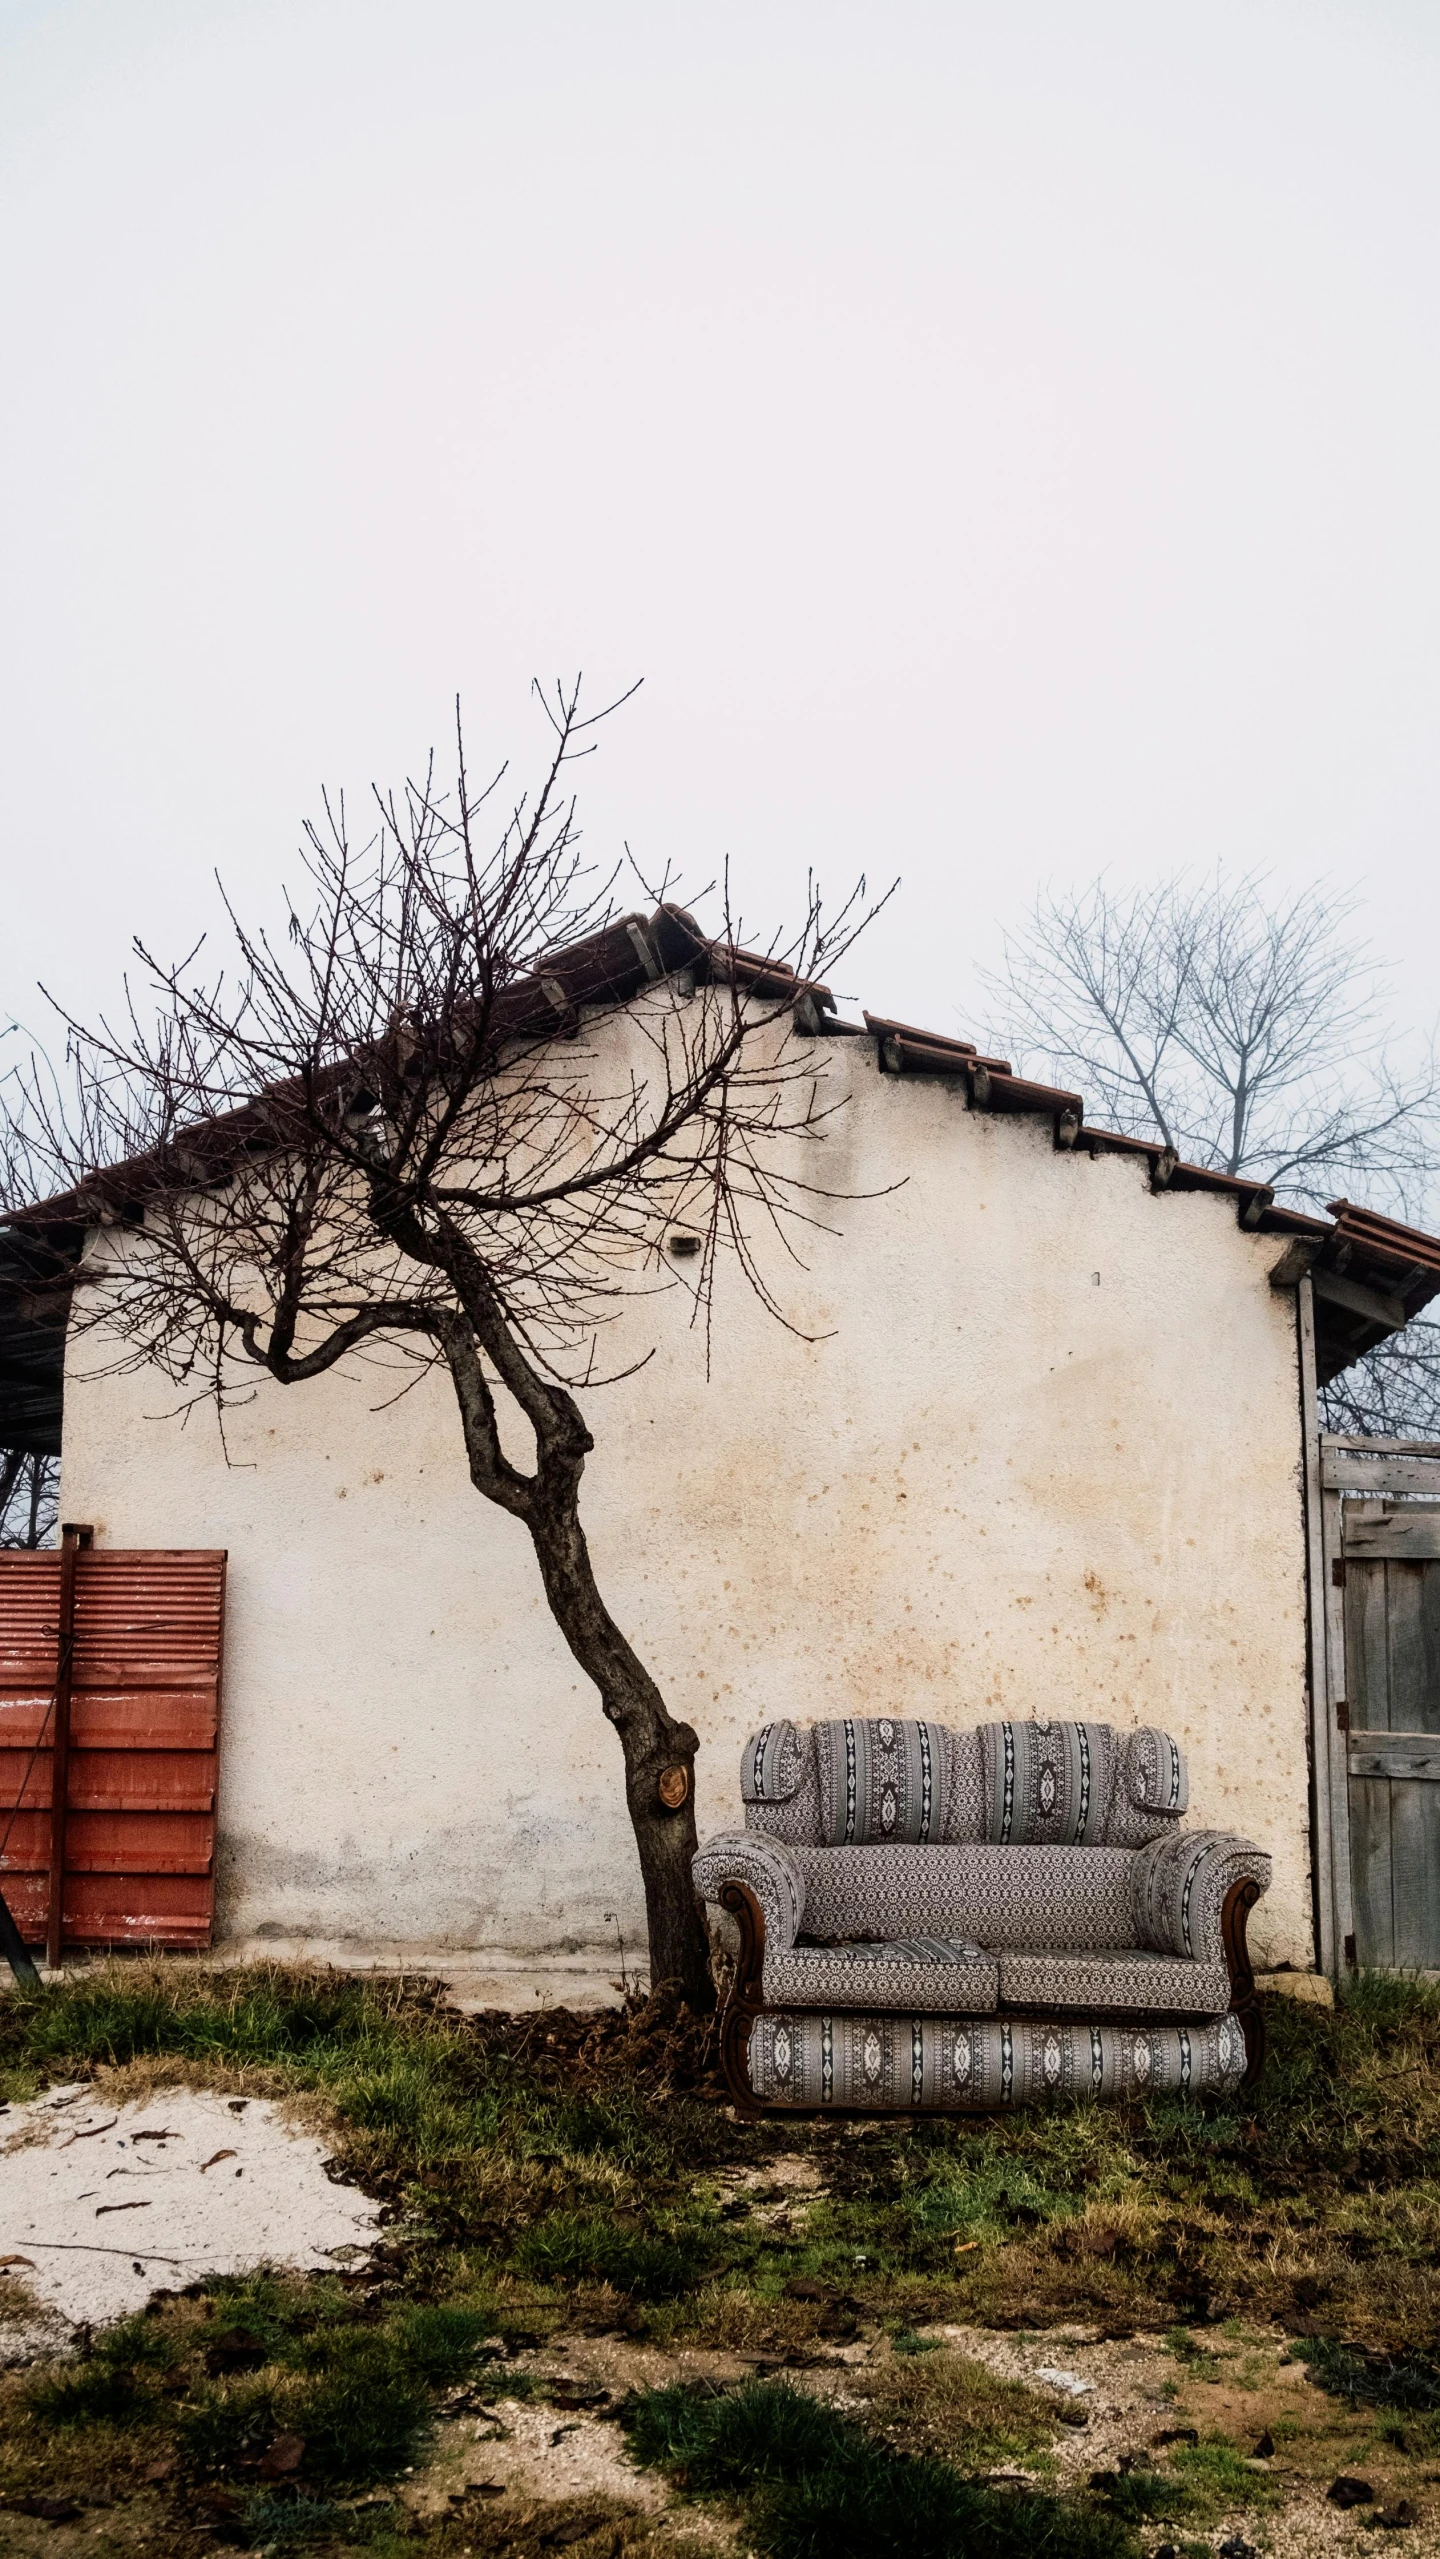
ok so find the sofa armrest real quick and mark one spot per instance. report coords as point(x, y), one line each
point(1187, 1896)
point(755, 1878)
point(762, 1867)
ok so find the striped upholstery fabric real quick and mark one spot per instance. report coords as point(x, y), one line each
point(768, 1868)
point(907, 1972)
point(777, 1783)
point(1047, 1785)
point(983, 1919)
point(1180, 1886)
point(882, 1779)
point(815, 2059)
point(860, 1781)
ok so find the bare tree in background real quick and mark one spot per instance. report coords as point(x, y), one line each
point(396, 1142)
point(29, 1480)
point(1248, 1031)
point(29, 1498)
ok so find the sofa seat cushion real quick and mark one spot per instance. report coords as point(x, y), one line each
point(910, 1972)
point(890, 2062)
point(1124, 1980)
point(1072, 1897)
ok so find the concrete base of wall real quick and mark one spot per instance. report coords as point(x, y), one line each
point(474, 1981)
point(474, 1977)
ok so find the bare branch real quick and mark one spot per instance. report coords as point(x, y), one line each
point(1248, 1031)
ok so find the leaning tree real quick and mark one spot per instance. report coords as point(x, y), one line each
point(393, 1137)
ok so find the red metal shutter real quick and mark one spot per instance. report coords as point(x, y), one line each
point(139, 1826)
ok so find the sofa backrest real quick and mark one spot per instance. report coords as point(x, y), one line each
point(863, 1781)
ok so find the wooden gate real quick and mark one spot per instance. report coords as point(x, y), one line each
point(1382, 1558)
point(109, 1733)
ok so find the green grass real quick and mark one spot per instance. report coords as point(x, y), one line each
point(1411, 2382)
point(813, 2485)
point(1324, 2190)
point(1203, 2481)
point(358, 2392)
point(578, 2247)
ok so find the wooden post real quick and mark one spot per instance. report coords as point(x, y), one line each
point(1321, 1720)
point(72, 1539)
point(747, 1995)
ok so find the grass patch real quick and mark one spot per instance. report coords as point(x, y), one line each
point(1204, 2480)
point(947, 2406)
point(575, 2151)
point(1411, 2382)
point(356, 2389)
point(574, 2248)
point(1217, 2478)
point(288, 2523)
point(812, 2484)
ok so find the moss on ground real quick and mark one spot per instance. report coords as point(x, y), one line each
point(586, 2173)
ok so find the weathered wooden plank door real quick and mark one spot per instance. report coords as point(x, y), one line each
point(1388, 1695)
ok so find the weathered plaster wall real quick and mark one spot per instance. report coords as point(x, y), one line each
point(1047, 1460)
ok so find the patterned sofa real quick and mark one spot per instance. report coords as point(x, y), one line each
point(936, 1920)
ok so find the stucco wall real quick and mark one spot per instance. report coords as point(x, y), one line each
point(1047, 1460)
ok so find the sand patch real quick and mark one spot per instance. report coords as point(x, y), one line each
point(103, 2205)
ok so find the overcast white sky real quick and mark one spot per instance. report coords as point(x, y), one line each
point(1004, 434)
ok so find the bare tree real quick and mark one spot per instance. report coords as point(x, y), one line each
point(29, 1476)
point(395, 1141)
point(1248, 1031)
point(29, 1498)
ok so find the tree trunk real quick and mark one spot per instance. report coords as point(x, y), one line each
point(659, 1753)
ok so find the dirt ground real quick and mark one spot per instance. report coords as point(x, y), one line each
point(1136, 2396)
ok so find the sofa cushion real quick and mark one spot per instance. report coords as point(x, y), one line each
point(777, 1782)
point(887, 2062)
point(965, 1810)
point(1156, 1777)
point(881, 1778)
point(909, 1972)
point(858, 1781)
point(1152, 1790)
point(1125, 1980)
point(1047, 1785)
point(1077, 1897)
point(773, 1763)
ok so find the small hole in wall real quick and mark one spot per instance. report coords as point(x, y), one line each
point(682, 1244)
point(1094, 1279)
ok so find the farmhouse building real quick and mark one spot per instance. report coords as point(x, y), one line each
point(1039, 1440)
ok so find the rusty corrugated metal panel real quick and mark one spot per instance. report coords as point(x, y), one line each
point(144, 1738)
